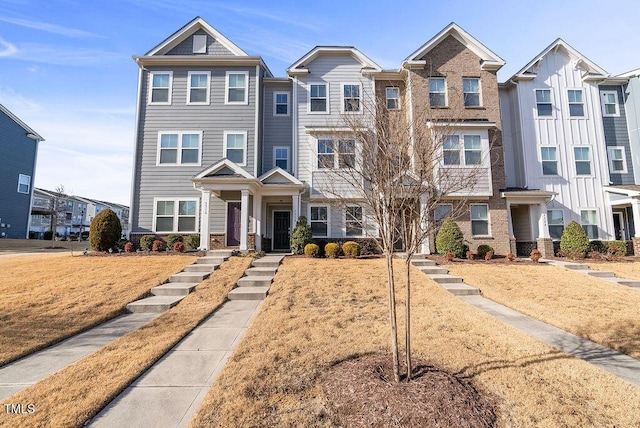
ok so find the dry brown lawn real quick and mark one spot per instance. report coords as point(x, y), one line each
point(599, 310)
point(630, 270)
point(320, 312)
point(47, 298)
point(75, 394)
point(39, 245)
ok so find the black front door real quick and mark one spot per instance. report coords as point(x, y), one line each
point(233, 224)
point(281, 226)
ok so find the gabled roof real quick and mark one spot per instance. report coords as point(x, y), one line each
point(278, 175)
point(592, 70)
point(630, 74)
point(300, 66)
point(489, 60)
point(223, 166)
point(30, 132)
point(196, 24)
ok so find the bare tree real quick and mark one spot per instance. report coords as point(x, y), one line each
point(58, 208)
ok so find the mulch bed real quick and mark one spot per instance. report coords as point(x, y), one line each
point(495, 260)
point(361, 393)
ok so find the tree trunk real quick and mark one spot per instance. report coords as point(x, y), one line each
point(408, 317)
point(392, 318)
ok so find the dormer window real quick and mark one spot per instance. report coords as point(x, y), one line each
point(200, 43)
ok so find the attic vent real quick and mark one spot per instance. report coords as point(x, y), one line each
point(200, 43)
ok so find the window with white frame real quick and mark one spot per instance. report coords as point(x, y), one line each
point(393, 97)
point(176, 215)
point(345, 149)
point(237, 87)
point(24, 183)
point(544, 105)
point(318, 100)
point(468, 153)
point(442, 211)
point(472, 150)
point(281, 103)
point(549, 159)
point(576, 102)
point(437, 92)
point(350, 97)
point(610, 103)
point(319, 220)
point(346, 153)
point(479, 219)
point(555, 220)
point(281, 157)
point(160, 87)
point(200, 43)
point(353, 221)
point(589, 222)
point(179, 148)
point(451, 150)
point(199, 87)
point(326, 155)
point(583, 160)
point(235, 146)
point(471, 91)
point(617, 160)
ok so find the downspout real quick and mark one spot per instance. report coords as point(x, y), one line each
point(294, 128)
point(256, 136)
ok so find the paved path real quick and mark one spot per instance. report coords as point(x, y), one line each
point(26, 371)
point(169, 393)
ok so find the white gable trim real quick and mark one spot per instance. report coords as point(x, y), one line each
point(220, 165)
point(299, 67)
point(279, 171)
point(30, 132)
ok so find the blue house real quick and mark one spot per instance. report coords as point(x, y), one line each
point(19, 148)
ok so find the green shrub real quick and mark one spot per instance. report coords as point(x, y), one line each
point(129, 247)
point(598, 246)
point(178, 246)
point(574, 242)
point(105, 230)
point(311, 250)
point(158, 246)
point(301, 236)
point(48, 235)
point(146, 242)
point(351, 249)
point(332, 250)
point(121, 243)
point(483, 250)
point(192, 242)
point(450, 239)
point(173, 238)
point(617, 248)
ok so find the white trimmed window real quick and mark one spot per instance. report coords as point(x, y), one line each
point(200, 43)
point(281, 103)
point(393, 97)
point(468, 152)
point(345, 149)
point(160, 87)
point(549, 159)
point(576, 102)
point(589, 222)
point(319, 220)
point(617, 160)
point(583, 160)
point(326, 156)
point(437, 92)
point(353, 221)
point(350, 97)
point(479, 219)
point(235, 146)
point(24, 183)
point(179, 148)
point(610, 103)
point(555, 220)
point(199, 83)
point(544, 105)
point(175, 215)
point(442, 211)
point(318, 98)
point(451, 150)
point(471, 91)
point(281, 157)
point(472, 150)
point(237, 85)
point(346, 153)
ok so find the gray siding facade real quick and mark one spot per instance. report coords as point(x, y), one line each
point(277, 128)
point(616, 134)
point(632, 110)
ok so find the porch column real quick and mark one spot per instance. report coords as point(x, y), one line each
point(512, 239)
point(424, 224)
point(544, 241)
point(295, 210)
point(204, 219)
point(257, 220)
point(635, 208)
point(244, 219)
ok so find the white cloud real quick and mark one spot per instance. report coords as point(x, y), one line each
point(70, 56)
point(49, 28)
point(7, 49)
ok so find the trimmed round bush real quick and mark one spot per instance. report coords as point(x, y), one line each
point(574, 242)
point(311, 250)
point(179, 247)
point(146, 242)
point(351, 249)
point(192, 242)
point(617, 248)
point(450, 239)
point(173, 238)
point(105, 230)
point(158, 245)
point(301, 236)
point(129, 247)
point(332, 250)
point(483, 250)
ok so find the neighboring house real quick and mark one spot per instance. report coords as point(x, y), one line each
point(19, 146)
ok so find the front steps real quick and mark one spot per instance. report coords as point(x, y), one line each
point(584, 269)
point(165, 296)
point(257, 280)
point(453, 284)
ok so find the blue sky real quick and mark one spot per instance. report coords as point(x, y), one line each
point(66, 67)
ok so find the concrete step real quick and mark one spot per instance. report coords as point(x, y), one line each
point(445, 279)
point(459, 289)
point(220, 253)
point(255, 281)
point(423, 262)
point(200, 267)
point(430, 270)
point(174, 289)
point(189, 277)
point(268, 261)
point(629, 282)
point(248, 293)
point(154, 304)
point(211, 260)
point(261, 271)
point(600, 274)
point(576, 266)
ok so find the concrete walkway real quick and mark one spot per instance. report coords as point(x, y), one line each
point(26, 371)
point(169, 394)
